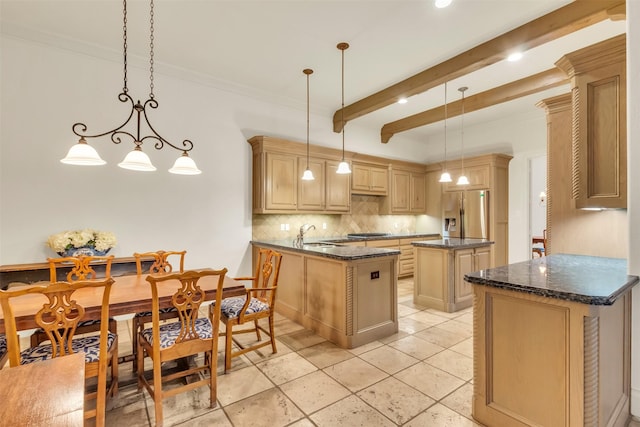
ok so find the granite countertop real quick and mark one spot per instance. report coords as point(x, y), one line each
point(325, 249)
point(453, 243)
point(389, 236)
point(579, 278)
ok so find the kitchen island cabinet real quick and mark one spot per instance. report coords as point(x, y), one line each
point(440, 266)
point(345, 294)
point(552, 342)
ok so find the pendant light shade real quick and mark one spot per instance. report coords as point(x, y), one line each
point(343, 167)
point(137, 160)
point(462, 180)
point(445, 177)
point(308, 175)
point(82, 154)
point(185, 165)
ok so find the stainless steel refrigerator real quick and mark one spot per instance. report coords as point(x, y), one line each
point(466, 214)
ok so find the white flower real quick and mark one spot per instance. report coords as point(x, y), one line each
point(100, 240)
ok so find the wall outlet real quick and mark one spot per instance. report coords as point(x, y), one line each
point(324, 225)
point(281, 227)
point(286, 227)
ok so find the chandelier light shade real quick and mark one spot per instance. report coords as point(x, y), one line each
point(307, 175)
point(445, 177)
point(83, 154)
point(442, 3)
point(462, 179)
point(343, 167)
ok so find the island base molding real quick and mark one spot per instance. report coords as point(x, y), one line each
point(542, 361)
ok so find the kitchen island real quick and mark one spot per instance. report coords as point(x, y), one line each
point(552, 342)
point(440, 266)
point(345, 294)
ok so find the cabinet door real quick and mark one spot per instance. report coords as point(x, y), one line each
point(282, 182)
point(338, 189)
point(361, 177)
point(464, 263)
point(311, 193)
point(418, 187)
point(478, 178)
point(379, 180)
point(483, 258)
point(400, 191)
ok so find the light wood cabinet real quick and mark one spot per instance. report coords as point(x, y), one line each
point(338, 189)
point(439, 276)
point(479, 178)
point(311, 194)
point(281, 182)
point(369, 179)
point(407, 194)
point(599, 149)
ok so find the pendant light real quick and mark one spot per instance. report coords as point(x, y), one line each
point(445, 177)
point(83, 154)
point(462, 180)
point(343, 167)
point(308, 175)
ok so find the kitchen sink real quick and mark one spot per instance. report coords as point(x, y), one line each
point(365, 235)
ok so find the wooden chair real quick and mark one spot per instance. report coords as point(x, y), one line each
point(59, 318)
point(541, 251)
point(4, 356)
point(189, 336)
point(161, 264)
point(258, 303)
point(81, 269)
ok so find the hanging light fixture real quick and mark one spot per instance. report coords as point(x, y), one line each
point(83, 154)
point(343, 167)
point(445, 177)
point(308, 175)
point(462, 180)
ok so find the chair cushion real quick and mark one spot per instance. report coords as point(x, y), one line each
point(90, 346)
point(230, 307)
point(3, 345)
point(162, 310)
point(169, 332)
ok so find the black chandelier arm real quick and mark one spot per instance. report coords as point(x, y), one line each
point(160, 141)
point(123, 97)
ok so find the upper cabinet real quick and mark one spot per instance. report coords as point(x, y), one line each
point(407, 192)
point(370, 179)
point(277, 185)
point(599, 146)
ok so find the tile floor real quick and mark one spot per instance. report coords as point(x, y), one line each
point(419, 377)
point(422, 376)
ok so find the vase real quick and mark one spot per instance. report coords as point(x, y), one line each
point(83, 251)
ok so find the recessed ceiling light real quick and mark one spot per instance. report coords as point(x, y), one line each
point(402, 101)
point(515, 56)
point(442, 3)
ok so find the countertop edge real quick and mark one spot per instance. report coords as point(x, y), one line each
point(358, 252)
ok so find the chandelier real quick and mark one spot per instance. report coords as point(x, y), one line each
point(83, 154)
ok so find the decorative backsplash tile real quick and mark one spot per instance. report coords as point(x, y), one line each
point(364, 218)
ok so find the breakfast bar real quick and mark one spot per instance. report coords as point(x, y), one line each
point(552, 342)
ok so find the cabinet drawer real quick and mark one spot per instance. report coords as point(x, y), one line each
point(388, 243)
point(405, 267)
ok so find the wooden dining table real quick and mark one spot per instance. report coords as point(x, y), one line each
point(130, 294)
point(48, 393)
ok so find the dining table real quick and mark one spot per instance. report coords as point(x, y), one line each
point(48, 393)
point(130, 294)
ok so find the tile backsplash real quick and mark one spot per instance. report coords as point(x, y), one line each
point(364, 218)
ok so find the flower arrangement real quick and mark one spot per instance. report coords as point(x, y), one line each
point(99, 241)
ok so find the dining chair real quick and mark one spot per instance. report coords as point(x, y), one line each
point(59, 318)
point(161, 264)
point(258, 303)
point(82, 268)
point(189, 336)
point(3, 351)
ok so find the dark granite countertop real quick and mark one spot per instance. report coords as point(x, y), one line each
point(579, 278)
point(325, 249)
point(390, 236)
point(453, 243)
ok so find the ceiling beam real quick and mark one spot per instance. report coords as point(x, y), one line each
point(508, 92)
point(565, 20)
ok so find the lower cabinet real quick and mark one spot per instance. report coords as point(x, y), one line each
point(439, 276)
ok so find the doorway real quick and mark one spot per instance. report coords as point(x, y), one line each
point(537, 198)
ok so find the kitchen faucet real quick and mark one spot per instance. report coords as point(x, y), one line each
point(299, 242)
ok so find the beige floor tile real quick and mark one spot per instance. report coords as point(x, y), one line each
point(416, 347)
point(464, 347)
point(355, 374)
point(430, 380)
point(237, 385)
point(270, 408)
point(460, 400)
point(440, 416)
point(411, 326)
point(314, 391)
point(394, 337)
point(388, 359)
point(403, 310)
point(427, 318)
point(325, 354)
point(457, 327)
point(350, 412)
point(286, 326)
point(466, 318)
point(445, 314)
point(305, 422)
point(395, 400)
point(364, 348)
point(264, 353)
point(442, 337)
point(301, 339)
point(216, 418)
point(286, 368)
point(454, 363)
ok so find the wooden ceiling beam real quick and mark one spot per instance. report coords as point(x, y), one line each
point(565, 20)
point(508, 92)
